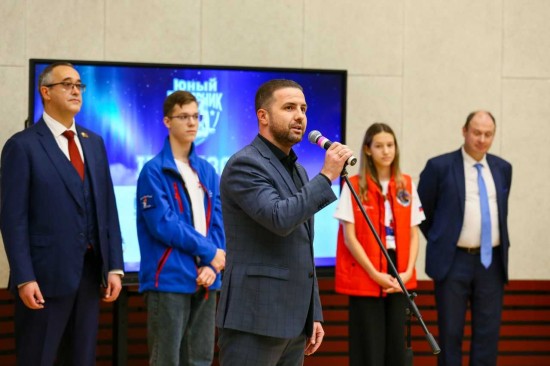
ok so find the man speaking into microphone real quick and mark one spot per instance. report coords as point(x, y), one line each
point(269, 311)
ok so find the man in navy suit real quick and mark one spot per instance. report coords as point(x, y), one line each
point(457, 221)
point(60, 228)
point(269, 311)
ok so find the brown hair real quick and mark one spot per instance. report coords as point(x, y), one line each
point(366, 165)
point(180, 97)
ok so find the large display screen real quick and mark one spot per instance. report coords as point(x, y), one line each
point(123, 103)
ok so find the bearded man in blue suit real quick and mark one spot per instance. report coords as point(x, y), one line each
point(465, 198)
point(60, 228)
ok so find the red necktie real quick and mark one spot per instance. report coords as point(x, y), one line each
point(74, 154)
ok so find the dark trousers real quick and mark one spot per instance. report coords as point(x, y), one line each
point(71, 321)
point(248, 349)
point(377, 330)
point(469, 282)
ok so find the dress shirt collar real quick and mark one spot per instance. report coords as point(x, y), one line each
point(56, 127)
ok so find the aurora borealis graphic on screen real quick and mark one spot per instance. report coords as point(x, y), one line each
point(123, 103)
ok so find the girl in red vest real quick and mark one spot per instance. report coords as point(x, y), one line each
point(377, 304)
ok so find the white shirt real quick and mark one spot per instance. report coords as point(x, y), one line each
point(196, 195)
point(57, 130)
point(471, 228)
point(344, 211)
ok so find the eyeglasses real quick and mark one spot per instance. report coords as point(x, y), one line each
point(67, 85)
point(187, 117)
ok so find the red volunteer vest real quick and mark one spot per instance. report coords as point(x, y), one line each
point(351, 278)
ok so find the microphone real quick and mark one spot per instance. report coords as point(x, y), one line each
point(316, 138)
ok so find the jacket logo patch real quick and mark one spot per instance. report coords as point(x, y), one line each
point(147, 202)
point(404, 198)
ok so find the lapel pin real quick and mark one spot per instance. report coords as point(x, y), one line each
point(84, 134)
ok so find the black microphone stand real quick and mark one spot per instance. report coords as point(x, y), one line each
point(410, 297)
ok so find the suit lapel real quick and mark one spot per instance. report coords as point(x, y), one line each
point(497, 178)
point(281, 170)
point(62, 165)
point(303, 176)
point(283, 173)
point(460, 180)
point(89, 157)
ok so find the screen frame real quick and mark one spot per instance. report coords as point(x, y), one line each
point(131, 276)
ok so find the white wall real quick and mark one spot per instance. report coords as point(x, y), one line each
point(420, 65)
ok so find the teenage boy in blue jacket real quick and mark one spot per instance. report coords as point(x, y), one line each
point(181, 240)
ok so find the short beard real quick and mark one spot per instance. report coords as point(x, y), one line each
point(285, 137)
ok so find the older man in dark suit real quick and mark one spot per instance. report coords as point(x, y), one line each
point(465, 199)
point(269, 310)
point(60, 227)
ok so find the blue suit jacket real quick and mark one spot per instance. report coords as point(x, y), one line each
point(442, 193)
point(269, 286)
point(42, 215)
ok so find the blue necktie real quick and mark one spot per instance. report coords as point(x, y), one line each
point(486, 242)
